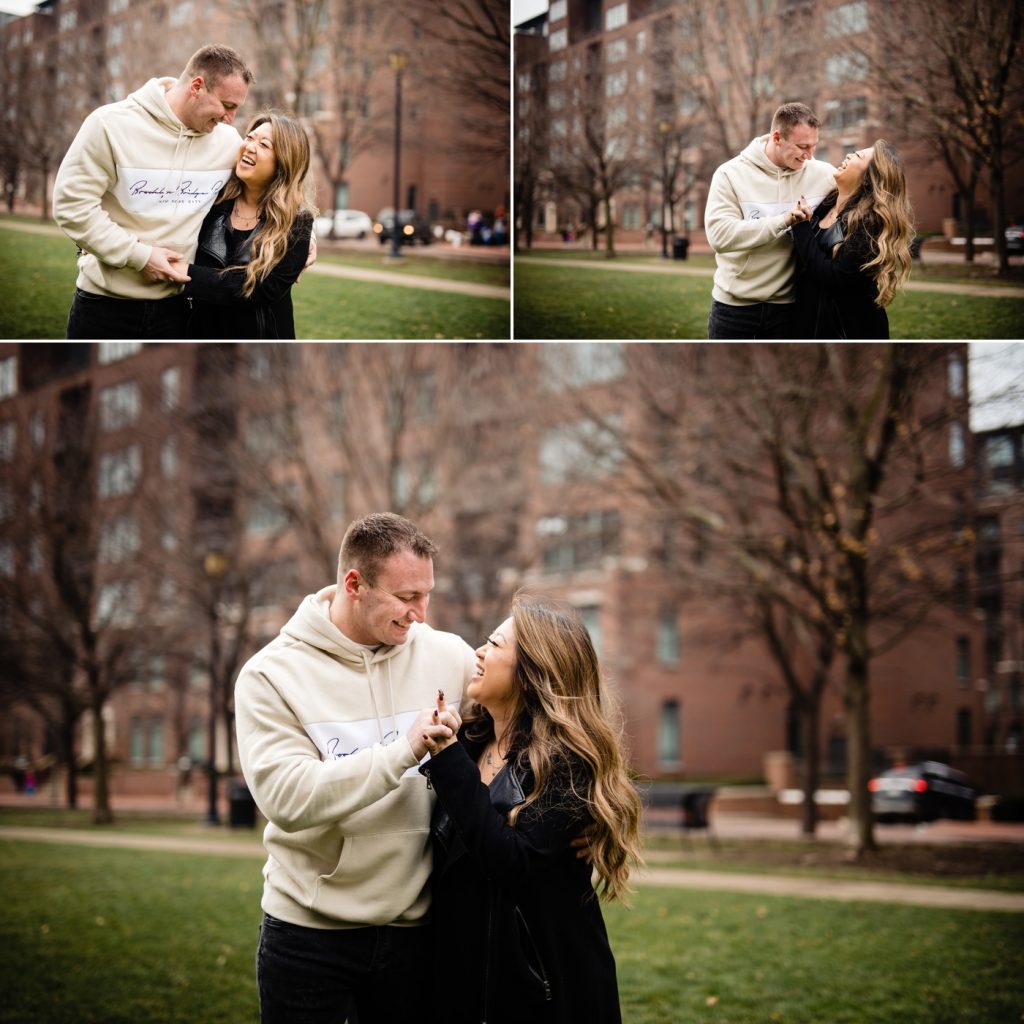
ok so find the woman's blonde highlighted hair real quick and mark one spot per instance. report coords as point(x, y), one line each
point(283, 199)
point(562, 710)
point(880, 206)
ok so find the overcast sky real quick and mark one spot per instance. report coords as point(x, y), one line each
point(997, 384)
point(19, 6)
point(523, 10)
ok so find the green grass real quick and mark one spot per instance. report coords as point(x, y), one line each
point(420, 264)
point(39, 271)
point(573, 302)
point(111, 936)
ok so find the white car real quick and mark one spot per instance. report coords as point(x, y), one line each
point(346, 224)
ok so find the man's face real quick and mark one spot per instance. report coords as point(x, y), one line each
point(397, 598)
point(796, 149)
point(207, 107)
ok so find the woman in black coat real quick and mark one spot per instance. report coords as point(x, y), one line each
point(853, 251)
point(255, 241)
point(535, 766)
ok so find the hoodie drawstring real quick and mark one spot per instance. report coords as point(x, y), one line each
point(381, 735)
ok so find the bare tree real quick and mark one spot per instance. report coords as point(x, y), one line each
point(955, 69)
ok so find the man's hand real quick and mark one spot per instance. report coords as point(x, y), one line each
point(161, 266)
point(428, 733)
point(311, 258)
point(799, 212)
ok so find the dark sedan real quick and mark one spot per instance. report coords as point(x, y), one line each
point(412, 228)
point(1015, 239)
point(922, 792)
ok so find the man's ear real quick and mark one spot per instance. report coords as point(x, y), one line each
point(353, 583)
point(197, 84)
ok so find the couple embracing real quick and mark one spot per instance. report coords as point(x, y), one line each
point(804, 249)
point(184, 228)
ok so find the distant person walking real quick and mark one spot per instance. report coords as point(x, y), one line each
point(133, 189)
point(751, 205)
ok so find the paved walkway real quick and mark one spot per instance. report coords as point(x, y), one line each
point(991, 291)
point(434, 284)
point(652, 874)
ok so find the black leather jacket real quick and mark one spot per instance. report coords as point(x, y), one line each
point(220, 309)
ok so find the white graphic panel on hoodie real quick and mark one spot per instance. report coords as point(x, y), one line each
point(336, 740)
point(143, 190)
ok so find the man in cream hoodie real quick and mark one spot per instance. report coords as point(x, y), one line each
point(330, 726)
point(133, 189)
point(751, 206)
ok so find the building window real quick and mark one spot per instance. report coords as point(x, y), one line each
point(156, 742)
point(8, 440)
point(68, 20)
point(117, 605)
point(6, 503)
point(8, 376)
point(579, 542)
point(119, 539)
point(668, 636)
point(963, 727)
point(616, 17)
point(846, 113)
point(641, 42)
point(576, 366)
point(556, 12)
point(264, 434)
point(112, 351)
point(957, 375)
point(999, 451)
point(617, 50)
point(266, 516)
point(170, 385)
point(847, 19)
point(556, 73)
point(35, 555)
point(37, 430)
point(957, 445)
point(558, 40)
point(669, 750)
point(336, 498)
point(846, 67)
point(7, 560)
point(615, 84)
point(136, 742)
point(583, 450)
point(120, 471)
point(119, 406)
point(963, 661)
point(169, 458)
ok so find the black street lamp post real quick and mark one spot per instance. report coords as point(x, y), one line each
point(215, 566)
point(664, 127)
point(397, 59)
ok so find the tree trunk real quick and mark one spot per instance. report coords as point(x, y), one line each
point(101, 813)
point(809, 715)
point(609, 234)
point(860, 835)
point(67, 756)
point(999, 217)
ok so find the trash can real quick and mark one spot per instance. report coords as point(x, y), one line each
point(679, 247)
point(242, 805)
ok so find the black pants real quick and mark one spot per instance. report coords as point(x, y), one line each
point(773, 320)
point(102, 317)
point(325, 976)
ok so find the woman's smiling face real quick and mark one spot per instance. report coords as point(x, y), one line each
point(850, 172)
point(257, 163)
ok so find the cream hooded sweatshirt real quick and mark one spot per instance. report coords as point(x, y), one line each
point(136, 177)
point(745, 223)
point(321, 725)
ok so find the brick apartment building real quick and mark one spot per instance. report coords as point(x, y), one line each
point(331, 67)
point(209, 487)
point(668, 90)
point(1000, 569)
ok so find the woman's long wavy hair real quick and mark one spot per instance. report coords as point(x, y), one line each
point(283, 199)
point(561, 709)
point(881, 208)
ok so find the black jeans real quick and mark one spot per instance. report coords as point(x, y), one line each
point(102, 317)
point(774, 320)
point(325, 976)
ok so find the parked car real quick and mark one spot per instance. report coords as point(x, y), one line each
point(1015, 239)
point(923, 792)
point(413, 227)
point(343, 224)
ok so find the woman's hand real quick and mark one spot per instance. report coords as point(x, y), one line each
point(799, 213)
point(444, 715)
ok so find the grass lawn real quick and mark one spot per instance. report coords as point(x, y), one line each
point(105, 936)
point(38, 274)
point(572, 302)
